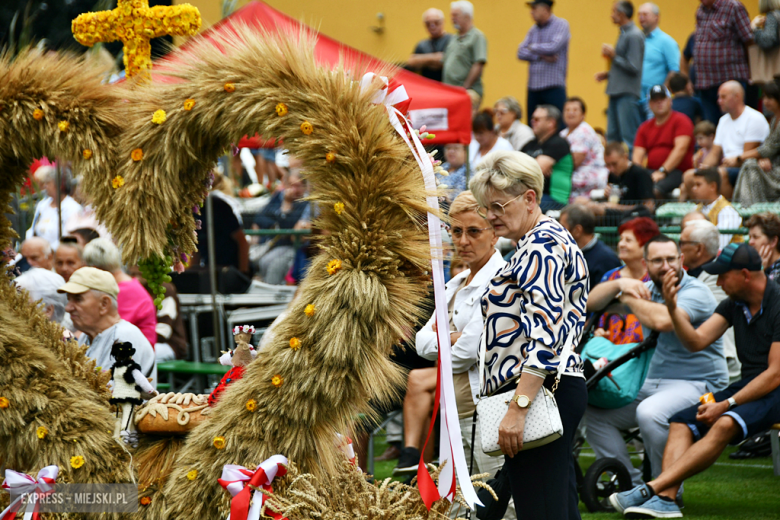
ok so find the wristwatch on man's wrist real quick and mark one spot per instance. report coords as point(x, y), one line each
point(662, 169)
point(523, 401)
point(732, 402)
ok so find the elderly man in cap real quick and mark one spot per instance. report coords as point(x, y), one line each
point(665, 142)
point(92, 306)
point(699, 434)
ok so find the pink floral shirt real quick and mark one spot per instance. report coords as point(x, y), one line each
point(592, 173)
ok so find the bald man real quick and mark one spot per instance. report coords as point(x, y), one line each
point(427, 56)
point(741, 130)
point(37, 252)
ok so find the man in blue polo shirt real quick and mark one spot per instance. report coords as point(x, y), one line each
point(699, 434)
point(677, 377)
point(662, 55)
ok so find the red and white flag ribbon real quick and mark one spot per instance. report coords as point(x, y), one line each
point(246, 503)
point(23, 485)
point(344, 444)
point(450, 445)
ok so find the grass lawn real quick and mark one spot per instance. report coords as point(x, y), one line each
point(730, 490)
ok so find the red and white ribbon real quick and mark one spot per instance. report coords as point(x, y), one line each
point(450, 445)
point(246, 504)
point(344, 444)
point(24, 485)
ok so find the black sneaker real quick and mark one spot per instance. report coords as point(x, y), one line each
point(407, 461)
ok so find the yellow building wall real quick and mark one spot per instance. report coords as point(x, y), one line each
point(504, 22)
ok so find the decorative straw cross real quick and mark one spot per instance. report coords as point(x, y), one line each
point(134, 23)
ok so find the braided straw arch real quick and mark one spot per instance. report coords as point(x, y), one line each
point(380, 238)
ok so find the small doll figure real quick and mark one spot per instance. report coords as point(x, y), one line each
point(130, 386)
point(240, 357)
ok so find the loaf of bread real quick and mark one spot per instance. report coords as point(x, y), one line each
point(172, 414)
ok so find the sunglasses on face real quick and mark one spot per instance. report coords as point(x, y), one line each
point(457, 232)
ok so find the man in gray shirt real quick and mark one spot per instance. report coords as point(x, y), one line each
point(624, 85)
point(92, 306)
point(466, 53)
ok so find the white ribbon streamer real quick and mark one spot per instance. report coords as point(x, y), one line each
point(450, 445)
point(21, 484)
point(238, 476)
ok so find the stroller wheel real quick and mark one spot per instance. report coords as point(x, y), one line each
point(604, 477)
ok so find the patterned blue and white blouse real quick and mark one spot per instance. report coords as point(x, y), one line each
point(532, 305)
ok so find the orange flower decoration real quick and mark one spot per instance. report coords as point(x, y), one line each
point(251, 405)
point(219, 442)
point(189, 104)
point(230, 88)
point(333, 266)
point(145, 501)
point(4, 402)
point(37, 114)
point(295, 343)
point(87, 154)
point(309, 310)
point(306, 128)
point(277, 380)
point(117, 182)
point(330, 157)
point(281, 109)
point(137, 154)
point(63, 126)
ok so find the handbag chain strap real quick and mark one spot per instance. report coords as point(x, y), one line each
point(563, 358)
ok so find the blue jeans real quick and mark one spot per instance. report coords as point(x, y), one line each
point(555, 96)
point(623, 119)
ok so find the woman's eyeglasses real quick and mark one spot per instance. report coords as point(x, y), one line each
point(496, 207)
point(457, 232)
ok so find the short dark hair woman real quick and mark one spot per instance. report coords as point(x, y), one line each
point(532, 306)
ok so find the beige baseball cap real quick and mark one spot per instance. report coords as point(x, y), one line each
point(86, 278)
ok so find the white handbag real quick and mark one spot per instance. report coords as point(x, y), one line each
point(543, 422)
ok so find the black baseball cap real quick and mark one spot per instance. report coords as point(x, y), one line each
point(548, 3)
point(735, 256)
point(659, 92)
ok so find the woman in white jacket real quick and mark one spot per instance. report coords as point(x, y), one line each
point(474, 242)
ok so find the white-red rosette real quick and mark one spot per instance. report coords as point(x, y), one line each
point(246, 503)
point(21, 484)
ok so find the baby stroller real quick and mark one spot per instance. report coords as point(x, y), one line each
point(608, 475)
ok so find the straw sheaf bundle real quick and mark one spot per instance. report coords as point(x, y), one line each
point(361, 310)
point(65, 89)
point(54, 410)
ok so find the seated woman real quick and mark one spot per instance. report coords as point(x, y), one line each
point(759, 178)
point(44, 222)
point(474, 243)
point(508, 115)
point(590, 172)
point(455, 164)
point(486, 138)
point(621, 327)
point(283, 211)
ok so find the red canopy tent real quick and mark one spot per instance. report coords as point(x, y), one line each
point(445, 110)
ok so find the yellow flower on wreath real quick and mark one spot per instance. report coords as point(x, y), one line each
point(63, 126)
point(338, 208)
point(41, 432)
point(117, 182)
point(281, 109)
point(307, 128)
point(37, 114)
point(295, 343)
point(251, 405)
point(219, 442)
point(309, 310)
point(333, 266)
point(87, 154)
point(192, 474)
point(189, 104)
point(4, 402)
point(277, 380)
point(330, 157)
point(159, 117)
point(76, 461)
point(137, 154)
point(230, 88)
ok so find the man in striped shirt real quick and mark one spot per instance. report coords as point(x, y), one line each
point(546, 49)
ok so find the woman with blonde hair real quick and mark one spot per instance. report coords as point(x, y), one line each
point(534, 310)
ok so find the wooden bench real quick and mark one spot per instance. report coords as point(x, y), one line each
point(195, 370)
point(775, 442)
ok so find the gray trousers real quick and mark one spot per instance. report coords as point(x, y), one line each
point(657, 401)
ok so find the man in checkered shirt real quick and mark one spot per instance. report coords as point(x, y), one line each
point(722, 32)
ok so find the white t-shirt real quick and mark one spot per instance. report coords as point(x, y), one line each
point(731, 135)
point(475, 156)
point(45, 219)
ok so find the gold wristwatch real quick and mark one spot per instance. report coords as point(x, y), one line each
point(521, 400)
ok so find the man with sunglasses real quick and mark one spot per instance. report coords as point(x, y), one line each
point(427, 56)
point(676, 377)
